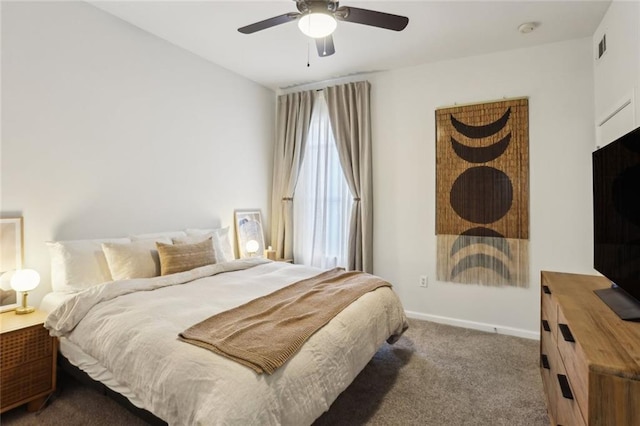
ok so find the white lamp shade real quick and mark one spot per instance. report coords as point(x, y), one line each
point(252, 246)
point(25, 280)
point(317, 25)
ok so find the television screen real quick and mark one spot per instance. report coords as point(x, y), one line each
point(616, 211)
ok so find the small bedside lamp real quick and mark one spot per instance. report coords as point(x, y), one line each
point(25, 280)
point(252, 247)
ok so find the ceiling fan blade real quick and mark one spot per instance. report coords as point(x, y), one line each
point(325, 46)
point(372, 18)
point(268, 23)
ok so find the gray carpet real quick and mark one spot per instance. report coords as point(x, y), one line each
point(434, 375)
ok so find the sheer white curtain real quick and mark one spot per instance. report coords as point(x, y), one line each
point(322, 201)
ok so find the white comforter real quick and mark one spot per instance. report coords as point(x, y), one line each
point(131, 328)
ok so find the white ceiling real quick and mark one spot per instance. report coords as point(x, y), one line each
point(277, 57)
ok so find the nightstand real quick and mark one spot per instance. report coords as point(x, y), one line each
point(27, 360)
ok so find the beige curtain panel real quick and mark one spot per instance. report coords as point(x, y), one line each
point(350, 115)
point(293, 119)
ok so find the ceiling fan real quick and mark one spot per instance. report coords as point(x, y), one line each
point(318, 20)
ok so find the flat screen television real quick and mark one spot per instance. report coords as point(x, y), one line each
point(616, 220)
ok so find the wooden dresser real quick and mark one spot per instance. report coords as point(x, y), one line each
point(27, 360)
point(589, 358)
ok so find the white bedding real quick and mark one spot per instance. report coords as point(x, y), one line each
point(131, 329)
point(77, 357)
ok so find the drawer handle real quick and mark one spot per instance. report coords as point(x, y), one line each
point(545, 362)
point(546, 289)
point(564, 386)
point(545, 325)
point(566, 333)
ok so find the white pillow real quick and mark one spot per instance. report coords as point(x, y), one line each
point(156, 235)
point(221, 242)
point(137, 259)
point(79, 264)
point(193, 239)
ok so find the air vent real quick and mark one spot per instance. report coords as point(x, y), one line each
point(602, 46)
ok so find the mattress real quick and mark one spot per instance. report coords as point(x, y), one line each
point(125, 334)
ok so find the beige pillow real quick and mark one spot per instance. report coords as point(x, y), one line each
point(137, 259)
point(184, 257)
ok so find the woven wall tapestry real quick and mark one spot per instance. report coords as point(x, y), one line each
point(482, 193)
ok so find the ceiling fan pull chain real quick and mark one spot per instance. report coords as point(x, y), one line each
point(308, 48)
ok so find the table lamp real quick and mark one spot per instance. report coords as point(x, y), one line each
point(252, 247)
point(25, 280)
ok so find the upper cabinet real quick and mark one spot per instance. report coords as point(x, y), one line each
point(616, 53)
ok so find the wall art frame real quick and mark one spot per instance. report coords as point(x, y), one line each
point(482, 193)
point(11, 259)
point(249, 227)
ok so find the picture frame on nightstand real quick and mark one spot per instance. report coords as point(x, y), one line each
point(249, 228)
point(11, 258)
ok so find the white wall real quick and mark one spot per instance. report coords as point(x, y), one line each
point(558, 79)
point(107, 131)
point(617, 72)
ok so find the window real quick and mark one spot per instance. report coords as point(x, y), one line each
point(322, 200)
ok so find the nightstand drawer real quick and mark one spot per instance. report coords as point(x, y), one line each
point(25, 381)
point(25, 345)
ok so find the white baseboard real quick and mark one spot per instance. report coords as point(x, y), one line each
point(510, 331)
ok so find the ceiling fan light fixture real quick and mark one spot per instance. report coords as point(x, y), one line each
point(317, 24)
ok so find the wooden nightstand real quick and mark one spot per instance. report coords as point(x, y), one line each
point(27, 360)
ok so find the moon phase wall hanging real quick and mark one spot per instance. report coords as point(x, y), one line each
point(482, 193)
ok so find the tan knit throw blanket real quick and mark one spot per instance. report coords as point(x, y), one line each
point(265, 332)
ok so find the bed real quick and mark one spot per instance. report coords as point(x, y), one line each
point(125, 334)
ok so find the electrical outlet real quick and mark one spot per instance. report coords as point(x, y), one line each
point(423, 281)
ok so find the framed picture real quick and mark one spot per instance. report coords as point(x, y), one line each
point(248, 230)
point(11, 254)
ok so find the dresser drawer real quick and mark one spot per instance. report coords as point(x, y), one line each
point(574, 362)
point(561, 401)
point(548, 362)
point(569, 413)
point(549, 310)
point(568, 410)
